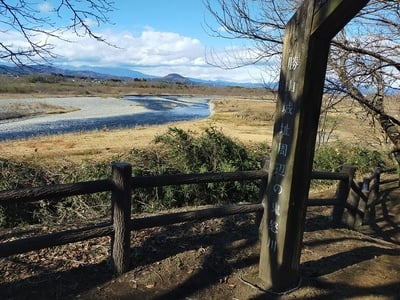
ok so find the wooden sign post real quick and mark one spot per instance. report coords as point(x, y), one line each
point(304, 62)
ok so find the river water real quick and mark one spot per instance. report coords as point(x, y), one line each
point(96, 113)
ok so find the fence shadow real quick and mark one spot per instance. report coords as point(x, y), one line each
point(315, 276)
point(151, 246)
point(384, 219)
point(215, 267)
point(57, 285)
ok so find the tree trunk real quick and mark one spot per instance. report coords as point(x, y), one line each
point(391, 128)
point(389, 124)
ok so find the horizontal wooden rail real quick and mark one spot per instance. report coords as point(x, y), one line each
point(329, 175)
point(56, 191)
point(202, 214)
point(379, 171)
point(32, 194)
point(388, 170)
point(388, 181)
point(322, 201)
point(105, 229)
point(178, 179)
point(55, 239)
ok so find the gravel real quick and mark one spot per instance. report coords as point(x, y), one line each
point(87, 113)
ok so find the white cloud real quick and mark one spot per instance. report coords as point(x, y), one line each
point(152, 52)
point(45, 7)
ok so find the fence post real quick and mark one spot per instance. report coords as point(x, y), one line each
point(121, 215)
point(342, 193)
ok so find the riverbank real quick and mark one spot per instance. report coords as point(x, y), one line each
point(69, 107)
point(245, 119)
point(95, 113)
point(229, 114)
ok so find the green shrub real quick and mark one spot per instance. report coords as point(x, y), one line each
point(182, 151)
point(329, 158)
point(14, 175)
point(365, 160)
point(210, 152)
point(332, 157)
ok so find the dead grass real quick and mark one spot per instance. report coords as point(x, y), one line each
point(20, 110)
point(247, 120)
point(243, 114)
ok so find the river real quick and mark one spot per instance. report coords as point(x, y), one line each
point(94, 113)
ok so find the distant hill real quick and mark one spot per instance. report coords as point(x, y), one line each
point(116, 72)
point(176, 78)
point(46, 69)
point(104, 73)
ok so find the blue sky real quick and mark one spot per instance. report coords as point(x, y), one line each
point(181, 16)
point(156, 37)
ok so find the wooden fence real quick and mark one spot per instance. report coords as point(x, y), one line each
point(122, 184)
point(364, 196)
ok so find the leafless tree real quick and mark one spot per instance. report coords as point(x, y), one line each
point(364, 59)
point(36, 23)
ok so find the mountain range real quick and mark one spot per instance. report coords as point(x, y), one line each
point(104, 73)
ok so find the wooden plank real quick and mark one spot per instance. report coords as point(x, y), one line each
point(280, 240)
point(331, 16)
point(302, 77)
point(55, 239)
point(195, 215)
point(55, 191)
point(178, 179)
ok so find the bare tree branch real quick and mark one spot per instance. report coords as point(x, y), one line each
point(37, 27)
point(364, 59)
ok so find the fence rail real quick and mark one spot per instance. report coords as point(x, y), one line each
point(122, 183)
point(364, 196)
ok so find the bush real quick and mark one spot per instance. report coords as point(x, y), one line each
point(184, 152)
point(332, 157)
point(365, 160)
point(210, 152)
point(14, 175)
point(329, 158)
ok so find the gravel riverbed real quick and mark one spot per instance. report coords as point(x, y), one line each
point(88, 113)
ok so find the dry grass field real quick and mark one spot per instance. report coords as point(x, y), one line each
point(248, 119)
